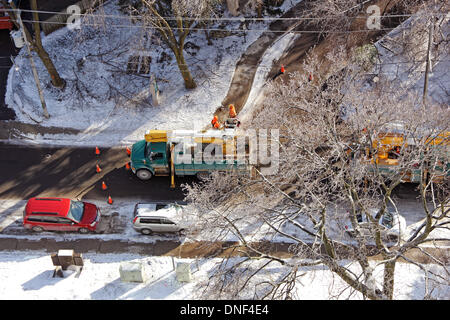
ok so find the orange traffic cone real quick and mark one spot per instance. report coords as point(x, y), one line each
point(104, 187)
point(98, 168)
point(97, 151)
point(127, 166)
point(128, 151)
point(110, 201)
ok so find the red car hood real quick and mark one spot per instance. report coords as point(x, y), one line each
point(89, 214)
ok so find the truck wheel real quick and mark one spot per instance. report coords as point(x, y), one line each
point(144, 174)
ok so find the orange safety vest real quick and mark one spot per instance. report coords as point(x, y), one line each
point(215, 122)
point(232, 111)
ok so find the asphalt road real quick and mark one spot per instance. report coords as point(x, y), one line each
point(70, 172)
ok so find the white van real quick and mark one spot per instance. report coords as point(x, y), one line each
point(157, 217)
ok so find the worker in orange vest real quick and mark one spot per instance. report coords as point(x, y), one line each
point(282, 70)
point(215, 123)
point(232, 112)
point(214, 120)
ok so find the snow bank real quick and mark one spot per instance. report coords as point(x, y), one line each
point(405, 67)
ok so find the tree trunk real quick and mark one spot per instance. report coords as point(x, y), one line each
point(259, 6)
point(57, 81)
point(388, 283)
point(233, 7)
point(189, 82)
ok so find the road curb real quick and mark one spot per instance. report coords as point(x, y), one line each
point(18, 130)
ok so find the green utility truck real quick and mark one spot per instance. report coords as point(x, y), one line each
point(183, 153)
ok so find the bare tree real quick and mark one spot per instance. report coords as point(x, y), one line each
point(334, 169)
point(36, 42)
point(174, 20)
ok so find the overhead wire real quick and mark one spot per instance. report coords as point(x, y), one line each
point(223, 30)
point(84, 16)
point(219, 19)
point(269, 67)
point(240, 19)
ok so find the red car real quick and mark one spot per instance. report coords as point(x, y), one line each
point(59, 214)
point(5, 21)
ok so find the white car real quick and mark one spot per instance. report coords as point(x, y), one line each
point(157, 217)
point(392, 225)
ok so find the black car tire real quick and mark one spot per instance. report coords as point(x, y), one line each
point(146, 232)
point(83, 230)
point(37, 229)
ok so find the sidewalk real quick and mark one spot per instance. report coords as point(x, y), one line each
point(18, 130)
point(180, 249)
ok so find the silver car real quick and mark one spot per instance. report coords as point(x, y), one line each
point(157, 217)
point(391, 224)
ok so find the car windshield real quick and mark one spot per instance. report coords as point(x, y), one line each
point(76, 210)
point(359, 217)
point(387, 220)
point(147, 151)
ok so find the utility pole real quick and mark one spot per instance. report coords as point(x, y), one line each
point(154, 91)
point(428, 66)
point(33, 66)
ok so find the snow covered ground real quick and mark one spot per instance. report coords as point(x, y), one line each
point(111, 107)
point(28, 275)
point(405, 67)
